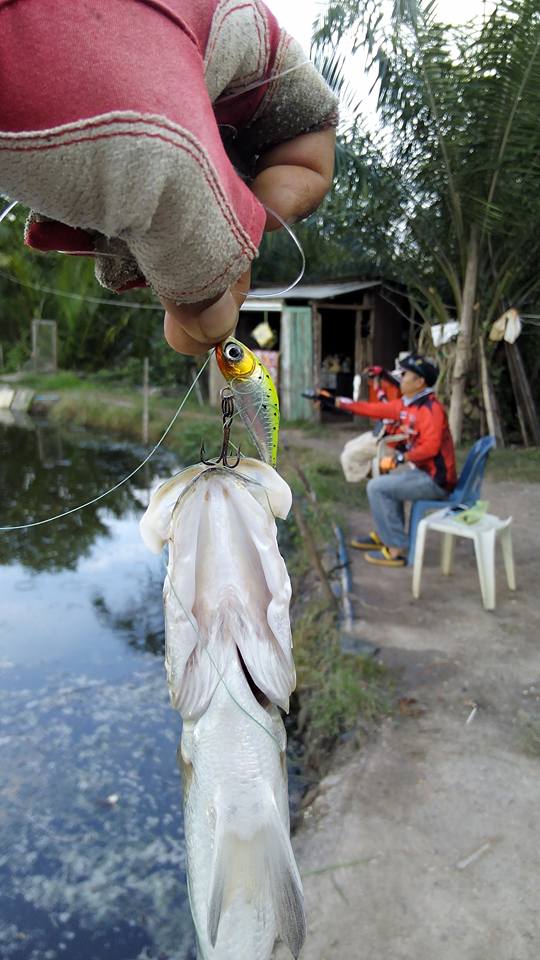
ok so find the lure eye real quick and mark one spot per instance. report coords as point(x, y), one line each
point(233, 352)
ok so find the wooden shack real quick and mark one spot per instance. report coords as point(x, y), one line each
point(323, 333)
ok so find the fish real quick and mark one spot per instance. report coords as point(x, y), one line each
point(230, 667)
point(254, 393)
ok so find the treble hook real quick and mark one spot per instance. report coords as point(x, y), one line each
point(227, 413)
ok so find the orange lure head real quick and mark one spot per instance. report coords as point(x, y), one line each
point(235, 360)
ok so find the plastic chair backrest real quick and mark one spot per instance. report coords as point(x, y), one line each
point(470, 479)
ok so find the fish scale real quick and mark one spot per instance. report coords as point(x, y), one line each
point(239, 770)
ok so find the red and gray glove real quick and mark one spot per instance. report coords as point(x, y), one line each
point(110, 127)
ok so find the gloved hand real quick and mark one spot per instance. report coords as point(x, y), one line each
point(119, 144)
point(387, 464)
point(326, 398)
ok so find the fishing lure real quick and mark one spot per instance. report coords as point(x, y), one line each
point(254, 394)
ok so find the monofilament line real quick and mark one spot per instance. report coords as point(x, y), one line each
point(106, 493)
point(261, 83)
point(148, 306)
point(8, 210)
point(298, 245)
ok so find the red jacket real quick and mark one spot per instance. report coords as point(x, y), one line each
point(430, 446)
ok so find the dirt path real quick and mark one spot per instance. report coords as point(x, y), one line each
point(427, 842)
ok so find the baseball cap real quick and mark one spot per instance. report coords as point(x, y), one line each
point(422, 366)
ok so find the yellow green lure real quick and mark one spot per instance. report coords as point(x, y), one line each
point(254, 394)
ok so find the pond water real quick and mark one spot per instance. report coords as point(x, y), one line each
point(92, 860)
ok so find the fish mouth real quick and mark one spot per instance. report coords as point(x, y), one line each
point(260, 697)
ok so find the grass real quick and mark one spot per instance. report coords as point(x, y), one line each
point(49, 383)
point(120, 413)
point(520, 464)
point(325, 476)
point(339, 693)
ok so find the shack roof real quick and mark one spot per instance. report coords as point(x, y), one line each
point(267, 298)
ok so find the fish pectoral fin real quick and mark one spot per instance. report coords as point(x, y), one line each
point(238, 870)
point(263, 868)
point(215, 905)
point(227, 874)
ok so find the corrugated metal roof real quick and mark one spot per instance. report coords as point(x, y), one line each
point(252, 304)
point(316, 291)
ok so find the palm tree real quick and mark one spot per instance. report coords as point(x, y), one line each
point(458, 112)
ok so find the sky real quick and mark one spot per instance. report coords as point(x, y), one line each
point(297, 16)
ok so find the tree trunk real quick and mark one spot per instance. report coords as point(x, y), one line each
point(490, 403)
point(522, 392)
point(463, 346)
point(517, 393)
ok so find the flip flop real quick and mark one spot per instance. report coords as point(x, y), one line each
point(367, 543)
point(385, 559)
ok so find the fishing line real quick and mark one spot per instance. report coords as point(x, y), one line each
point(204, 647)
point(106, 493)
point(150, 306)
point(8, 209)
point(146, 306)
point(247, 480)
point(298, 245)
point(260, 83)
point(131, 304)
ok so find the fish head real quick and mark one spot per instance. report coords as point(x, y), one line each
point(236, 361)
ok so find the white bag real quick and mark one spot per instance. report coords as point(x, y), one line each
point(357, 455)
point(361, 456)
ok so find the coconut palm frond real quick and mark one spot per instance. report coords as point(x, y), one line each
point(511, 51)
point(333, 67)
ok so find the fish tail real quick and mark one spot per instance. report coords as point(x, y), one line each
point(264, 869)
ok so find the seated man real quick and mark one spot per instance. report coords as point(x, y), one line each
point(421, 468)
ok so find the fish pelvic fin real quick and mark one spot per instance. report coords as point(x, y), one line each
point(262, 870)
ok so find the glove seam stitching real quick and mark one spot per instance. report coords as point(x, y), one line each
point(196, 152)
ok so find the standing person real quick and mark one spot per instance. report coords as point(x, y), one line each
point(423, 467)
point(113, 118)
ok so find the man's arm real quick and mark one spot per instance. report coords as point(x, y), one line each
point(375, 410)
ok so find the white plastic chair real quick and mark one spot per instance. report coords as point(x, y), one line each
point(484, 533)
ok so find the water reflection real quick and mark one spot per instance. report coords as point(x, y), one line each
point(44, 472)
point(91, 841)
point(140, 620)
point(92, 862)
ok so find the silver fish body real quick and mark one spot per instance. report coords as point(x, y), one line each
point(245, 890)
point(226, 597)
